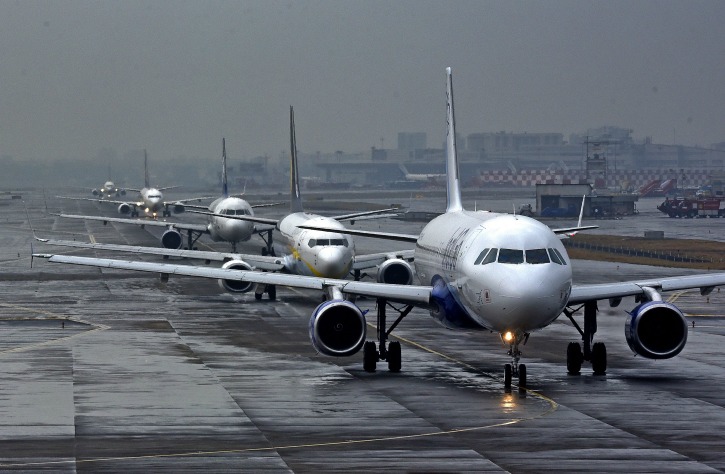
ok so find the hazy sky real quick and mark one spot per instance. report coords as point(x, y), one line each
point(176, 76)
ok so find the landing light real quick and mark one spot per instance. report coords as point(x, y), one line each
point(508, 336)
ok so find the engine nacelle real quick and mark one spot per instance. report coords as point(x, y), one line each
point(178, 208)
point(171, 239)
point(122, 192)
point(656, 330)
point(124, 208)
point(95, 192)
point(395, 271)
point(236, 286)
point(337, 328)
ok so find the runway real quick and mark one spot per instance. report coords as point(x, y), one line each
point(116, 371)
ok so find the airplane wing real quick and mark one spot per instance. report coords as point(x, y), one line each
point(367, 233)
point(260, 220)
point(142, 222)
point(408, 294)
point(107, 201)
point(191, 199)
point(705, 282)
point(569, 231)
point(368, 214)
point(362, 262)
point(259, 262)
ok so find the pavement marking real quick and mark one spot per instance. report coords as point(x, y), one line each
point(96, 326)
point(92, 238)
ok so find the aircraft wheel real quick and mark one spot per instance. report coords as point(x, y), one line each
point(257, 296)
point(574, 358)
point(272, 292)
point(370, 356)
point(507, 376)
point(599, 358)
point(522, 375)
point(264, 251)
point(394, 357)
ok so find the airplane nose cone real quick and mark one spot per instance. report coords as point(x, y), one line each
point(234, 230)
point(531, 305)
point(334, 262)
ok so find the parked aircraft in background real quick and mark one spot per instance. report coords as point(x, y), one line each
point(480, 271)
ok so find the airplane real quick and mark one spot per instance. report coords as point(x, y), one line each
point(219, 227)
point(325, 253)
point(433, 179)
point(150, 200)
point(108, 190)
point(479, 270)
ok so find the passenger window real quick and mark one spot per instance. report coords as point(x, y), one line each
point(536, 256)
point(511, 256)
point(491, 257)
point(481, 256)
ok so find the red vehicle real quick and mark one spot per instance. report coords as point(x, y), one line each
point(693, 207)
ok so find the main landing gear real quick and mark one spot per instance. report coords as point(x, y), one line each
point(595, 353)
point(271, 290)
point(514, 369)
point(389, 352)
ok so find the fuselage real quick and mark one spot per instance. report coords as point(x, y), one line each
point(151, 201)
point(499, 272)
point(313, 252)
point(230, 230)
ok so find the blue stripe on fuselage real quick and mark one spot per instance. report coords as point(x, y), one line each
point(450, 313)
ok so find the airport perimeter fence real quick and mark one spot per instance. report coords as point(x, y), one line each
point(630, 252)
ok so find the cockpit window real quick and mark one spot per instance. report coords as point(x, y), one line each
point(334, 242)
point(511, 256)
point(556, 257)
point(491, 257)
point(537, 256)
point(481, 256)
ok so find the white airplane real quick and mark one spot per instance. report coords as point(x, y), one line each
point(481, 271)
point(108, 190)
point(431, 178)
point(219, 227)
point(326, 254)
point(150, 200)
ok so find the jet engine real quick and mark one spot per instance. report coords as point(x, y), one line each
point(656, 330)
point(179, 208)
point(395, 271)
point(124, 208)
point(236, 286)
point(95, 192)
point(171, 239)
point(337, 328)
point(122, 192)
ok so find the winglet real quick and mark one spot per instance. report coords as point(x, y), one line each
point(454, 191)
point(145, 170)
point(225, 188)
point(295, 198)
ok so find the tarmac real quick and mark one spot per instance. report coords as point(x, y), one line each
point(105, 370)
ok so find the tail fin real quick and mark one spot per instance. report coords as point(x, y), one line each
point(145, 170)
point(225, 188)
point(453, 203)
point(294, 176)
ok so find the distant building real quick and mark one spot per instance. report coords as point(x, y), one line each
point(412, 140)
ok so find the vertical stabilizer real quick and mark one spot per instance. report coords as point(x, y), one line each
point(145, 170)
point(294, 175)
point(453, 185)
point(225, 188)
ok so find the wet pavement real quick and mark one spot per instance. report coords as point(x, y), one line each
point(115, 371)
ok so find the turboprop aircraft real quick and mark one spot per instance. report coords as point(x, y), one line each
point(480, 271)
point(150, 200)
point(219, 227)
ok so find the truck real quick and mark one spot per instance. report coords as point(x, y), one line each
point(693, 207)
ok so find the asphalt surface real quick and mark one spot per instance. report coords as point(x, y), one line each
point(116, 371)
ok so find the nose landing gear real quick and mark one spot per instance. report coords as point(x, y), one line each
point(514, 369)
